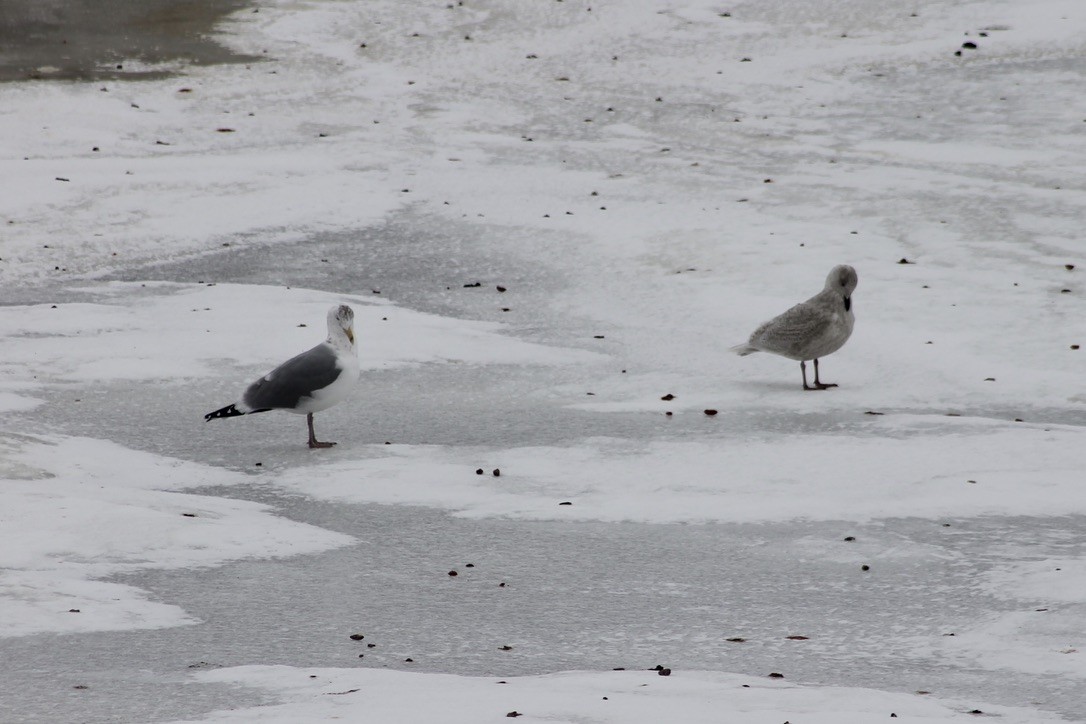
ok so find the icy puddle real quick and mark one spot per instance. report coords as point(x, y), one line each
point(751, 599)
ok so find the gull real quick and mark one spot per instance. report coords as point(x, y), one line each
point(811, 329)
point(313, 381)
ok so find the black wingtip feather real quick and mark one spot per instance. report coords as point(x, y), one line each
point(228, 411)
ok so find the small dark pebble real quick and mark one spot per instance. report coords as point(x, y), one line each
point(849, 538)
point(357, 637)
point(710, 412)
point(80, 686)
point(497, 473)
point(453, 573)
point(500, 288)
point(371, 646)
point(258, 464)
point(664, 672)
point(1074, 346)
point(903, 260)
point(74, 610)
point(1065, 291)
point(501, 585)
point(969, 45)
point(976, 711)
point(619, 668)
point(597, 336)
point(565, 502)
point(409, 661)
point(658, 667)
point(872, 412)
point(513, 714)
point(189, 515)
point(893, 715)
point(950, 634)
point(797, 638)
point(478, 471)
point(469, 565)
point(775, 675)
point(505, 648)
point(225, 130)
point(475, 284)
point(736, 639)
point(922, 692)
point(865, 567)
point(668, 397)
point(989, 379)
point(1068, 267)
point(669, 413)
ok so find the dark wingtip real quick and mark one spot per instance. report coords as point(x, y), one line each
point(228, 411)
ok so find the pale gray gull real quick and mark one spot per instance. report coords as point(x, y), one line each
point(313, 381)
point(811, 329)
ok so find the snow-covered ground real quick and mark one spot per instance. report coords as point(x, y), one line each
point(634, 186)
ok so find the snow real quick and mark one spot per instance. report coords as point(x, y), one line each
point(77, 510)
point(619, 697)
point(648, 182)
point(968, 470)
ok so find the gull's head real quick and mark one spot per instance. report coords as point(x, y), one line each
point(341, 321)
point(843, 280)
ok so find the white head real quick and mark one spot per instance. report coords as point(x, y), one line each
point(341, 324)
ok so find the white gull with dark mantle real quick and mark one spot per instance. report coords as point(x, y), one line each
point(313, 381)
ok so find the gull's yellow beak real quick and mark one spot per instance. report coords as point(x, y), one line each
point(350, 334)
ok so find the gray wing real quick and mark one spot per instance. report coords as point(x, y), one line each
point(301, 376)
point(796, 331)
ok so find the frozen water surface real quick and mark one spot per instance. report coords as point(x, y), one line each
point(646, 184)
point(576, 596)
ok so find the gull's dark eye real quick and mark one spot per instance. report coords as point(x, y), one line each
point(848, 303)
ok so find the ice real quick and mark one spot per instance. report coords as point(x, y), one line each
point(646, 182)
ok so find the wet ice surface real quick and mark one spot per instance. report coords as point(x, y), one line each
point(669, 227)
point(94, 41)
point(577, 596)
